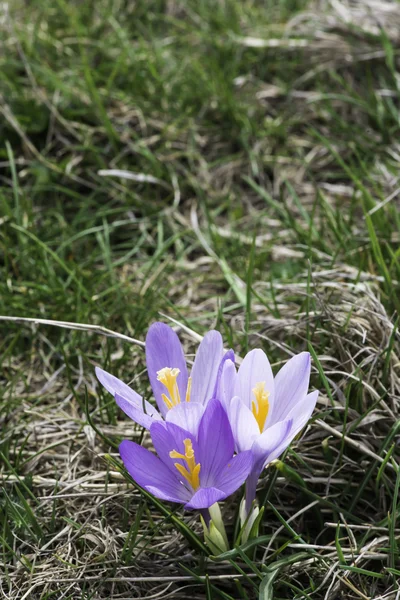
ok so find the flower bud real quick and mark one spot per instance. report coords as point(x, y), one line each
point(247, 521)
point(215, 534)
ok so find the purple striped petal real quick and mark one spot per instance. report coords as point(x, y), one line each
point(285, 443)
point(270, 444)
point(128, 400)
point(235, 473)
point(151, 473)
point(291, 385)
point(163, 495)
point(205, 368)
point(215, 442)
point(186, 415)
point(136, 413)
point(163, 349)
point(245, 428)
point(116, 386)
point(226, 385)
point(228, 356)
point(295, 422)
point(302, 411)
point(254, 369)
point(204, 498)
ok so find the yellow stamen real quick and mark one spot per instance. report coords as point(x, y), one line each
point(191, 473)
point(260, 406)
point(167, 401)
point(189, 389)
point(168, 376)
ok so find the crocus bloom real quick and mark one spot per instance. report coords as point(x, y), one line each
point(197, 470)
point(265, 413)
point(181, 399)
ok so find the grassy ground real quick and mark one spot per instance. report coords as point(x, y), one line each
point(261, 145)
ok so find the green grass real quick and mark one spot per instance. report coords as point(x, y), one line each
point(261, 140)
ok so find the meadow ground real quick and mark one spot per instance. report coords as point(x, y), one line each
point(260, 144)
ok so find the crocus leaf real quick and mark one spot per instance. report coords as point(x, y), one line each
point(263, 539)
point(266, 587)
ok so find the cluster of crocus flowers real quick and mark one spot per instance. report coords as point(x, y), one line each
point(215, 428)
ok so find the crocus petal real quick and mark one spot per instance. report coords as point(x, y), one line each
point(205, 368)
point(116, 386)
point(215, 443)
point(187, 415)
point(128, 400)
point(137, 414)
point(150, 472)
point(235, 473)
point(205, 497)
point(163, 349)
point(296, 420)
point(228, 356)
point(285, 443)
point(245, 428)
point(226, 384)
point(254, 369)
point(291, 385)
point(162, 494)
point(302, 411)
point(266, 445)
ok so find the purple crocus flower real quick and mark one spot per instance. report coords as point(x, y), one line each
point(265, 413)
point(181, 399)
point(197, 470)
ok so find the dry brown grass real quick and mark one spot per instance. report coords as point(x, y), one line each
point(332, 512)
